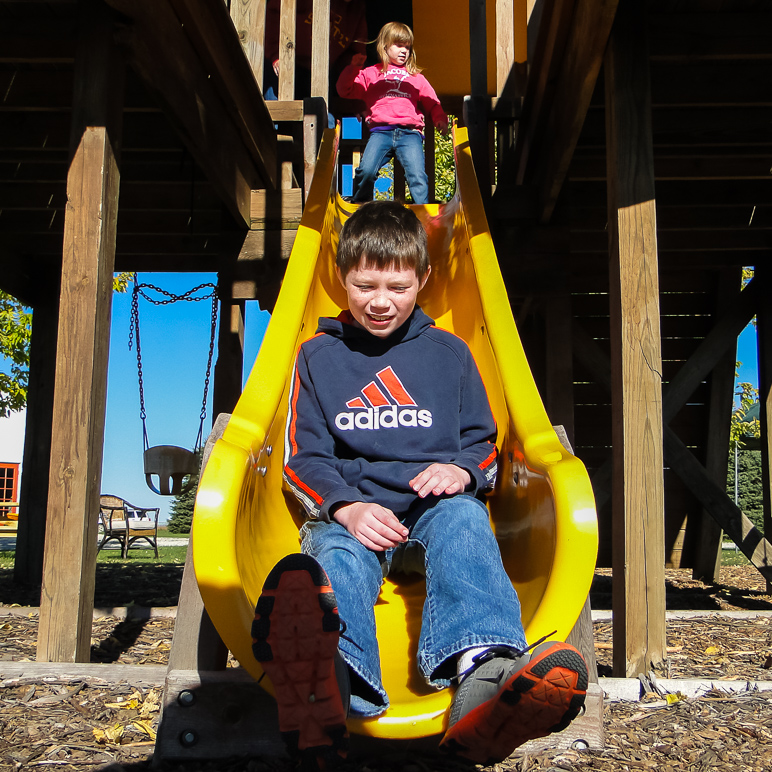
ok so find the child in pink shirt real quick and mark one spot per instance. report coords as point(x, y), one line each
point(393, 92)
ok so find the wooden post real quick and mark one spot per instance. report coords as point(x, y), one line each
point(314, 123)
point(475, 110)
point(249, 19)
point(707, 560)
point(764, 339)
point(287, 51)
point(511, 36)
point(320, 50)
point(429, 159)
point(69, 564)
point(478, 44)
point(559, 395)
point(505, 43)
point(637, 488)
point(230, 348)
point(33, 499)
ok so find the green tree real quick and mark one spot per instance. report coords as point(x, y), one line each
point(749, 491)
point(15, 337)
point(742, 429)
point(747, 461)
point(182, 506)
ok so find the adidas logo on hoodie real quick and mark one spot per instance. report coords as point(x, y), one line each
point(383, 405)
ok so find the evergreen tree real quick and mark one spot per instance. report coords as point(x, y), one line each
point(744, 429)
point(182, 507)
point(749, 492)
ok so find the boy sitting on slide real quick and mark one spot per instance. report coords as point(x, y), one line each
point(390, 450)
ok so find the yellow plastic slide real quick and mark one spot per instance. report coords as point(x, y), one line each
point(542, 510)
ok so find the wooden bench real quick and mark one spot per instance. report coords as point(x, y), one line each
point(127, 524)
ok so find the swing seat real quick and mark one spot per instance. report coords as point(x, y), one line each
point(170, 465)
point(542, 510)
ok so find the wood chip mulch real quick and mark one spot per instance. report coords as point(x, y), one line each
point(74, 725)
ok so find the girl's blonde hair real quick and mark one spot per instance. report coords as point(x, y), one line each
point(402, 35)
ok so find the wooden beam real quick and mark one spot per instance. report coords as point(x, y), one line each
point(227, 129)
point(548, 51)
point(505, 42)
point(559, 393)
point(287, 27)
point(696, 126)
point(291, 110)
point(710, 36)
point(33, 499)
point(591, 166)
point(80, 391)
point(638, 486)
point(710, 351)
point(213, 35)
point(714, 499)
point(581, 63)
point(228, 371)
point(249, 19)
point(764, 343)
point(550, 130)
point(276, 209)
point(314, 123)
point(320, 50)
point(17, 276)
point(707, 558)
point(719, 193)
point(478, 42)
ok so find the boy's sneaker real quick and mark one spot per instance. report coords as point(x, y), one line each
point(510, 698)
point(295, 638)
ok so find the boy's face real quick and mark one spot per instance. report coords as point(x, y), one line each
point(381, 300)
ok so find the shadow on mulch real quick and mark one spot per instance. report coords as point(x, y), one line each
point(683, 593)
point(123, 636)
point(116, 585)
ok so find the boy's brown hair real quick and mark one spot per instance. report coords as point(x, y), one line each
point(386, 234)
point(402, 35)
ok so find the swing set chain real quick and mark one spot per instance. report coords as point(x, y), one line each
point(200, 437)
point(134, 334)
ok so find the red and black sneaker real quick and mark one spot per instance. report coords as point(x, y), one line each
point(507, 700)
point(295, 638)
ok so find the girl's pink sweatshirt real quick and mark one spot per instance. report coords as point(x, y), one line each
point(393, 97)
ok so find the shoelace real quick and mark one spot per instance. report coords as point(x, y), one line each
point(493, 652)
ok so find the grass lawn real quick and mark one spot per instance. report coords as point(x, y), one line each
point(733, 558)
point(166, 555)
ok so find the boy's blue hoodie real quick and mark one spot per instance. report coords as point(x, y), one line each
point(366, 415)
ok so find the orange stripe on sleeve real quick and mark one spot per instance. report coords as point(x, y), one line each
point(312, 493)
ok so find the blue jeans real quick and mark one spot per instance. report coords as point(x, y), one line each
point(470, 600)
point(407, 145)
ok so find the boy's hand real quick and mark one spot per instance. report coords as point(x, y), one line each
point(441, 478)
point(358, 60)
point(373, 525)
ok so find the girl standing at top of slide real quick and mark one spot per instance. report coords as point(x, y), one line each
point(393, 92)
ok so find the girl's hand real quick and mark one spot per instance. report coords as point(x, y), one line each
point(371, 524)
point(444, 128)
point(440, 478)
point(358, 60)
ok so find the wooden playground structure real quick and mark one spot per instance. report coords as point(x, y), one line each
point(622, 150)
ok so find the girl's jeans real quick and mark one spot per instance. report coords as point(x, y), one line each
point(470, 600)
point(407, 145)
